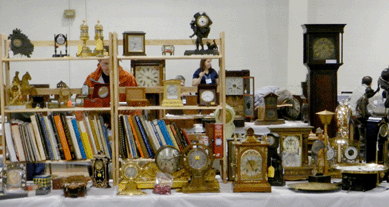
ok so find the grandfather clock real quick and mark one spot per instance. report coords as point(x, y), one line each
point(323, 55)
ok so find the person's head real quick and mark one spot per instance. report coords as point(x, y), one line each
point(205, 64)
point(367, 80)
point(181, 78)
point(104, 64)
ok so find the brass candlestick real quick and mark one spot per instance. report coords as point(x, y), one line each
point(83, 50)
point(325, 118)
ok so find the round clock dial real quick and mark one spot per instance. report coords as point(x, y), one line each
point(207, 96)
point(351, 153)
point(17, 42)
point(270, 114)
point(135, 44)
point(147, 76)
point(271, 140)
point(172, 91)
point(14, 178)
point(60, 39)
point(291, 144)
point(197, 159)
point(99, 164)
point(330, 153)
point(251, 165)
point(131, 172)
point(167, 159)
point(293, 112)
point(234, 86)
point(323, 48)
point(202, 21)
point(103, 92)
point(383, 130)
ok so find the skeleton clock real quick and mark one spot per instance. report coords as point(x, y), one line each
point(323, 55)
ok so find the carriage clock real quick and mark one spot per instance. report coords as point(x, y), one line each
point(100, 174)
point(251, 165)
point(323, 55)
point(274, 161)
point(294, 151)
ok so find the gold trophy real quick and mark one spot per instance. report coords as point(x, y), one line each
point(84, 50)
point(99, 41)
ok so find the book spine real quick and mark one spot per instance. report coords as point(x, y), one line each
point(10, 143)
point(38, 137)
point(122, 139)
point(156, 133)
point(33, 142)
point(180, 135)
point(165, 133)
point(148, 134)
point(90, 134)
point(99, 134)
point(172, 136)
point(78, 136)
point(26, 149)
point(45, 134)
point(186, 136)
point(130, 136)
point(77, 150)
point(96, 139)
point(18, 142)
point(175, 135)
point(155, 122)
point(43, 140)
point(105, 133)
point(153, 136)
point(144, 136)
point(62, 137)
point(137, 139)
point(85, 140)
point(68, 136)
point(54, 133)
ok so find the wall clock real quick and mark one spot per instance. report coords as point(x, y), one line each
point(148, 73)
point(251, 165)
point(14, 178)
point(20, 44)
point(168, 159)
point(197, 159)
point(234, 86)
point(207, 95)
point(172, 93)
point(129, 172)
point(100, 173)
point(134, 43)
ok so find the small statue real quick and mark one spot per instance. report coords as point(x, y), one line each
point(318, 150)
point(362, 112)
point(202, 30)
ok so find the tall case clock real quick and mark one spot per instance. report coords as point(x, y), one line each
point(323, 55)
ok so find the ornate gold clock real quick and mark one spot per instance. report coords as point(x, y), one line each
point(197, 159)
point(134, 43)
point(100, 174)
point(172, 93)
point(129, 172)
point(14, 178)
point(148, 73)
point(251, 165)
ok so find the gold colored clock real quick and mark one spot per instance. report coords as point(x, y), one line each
point(172, 93)
point(251, 162)
point(323, 48)
point(129, 172)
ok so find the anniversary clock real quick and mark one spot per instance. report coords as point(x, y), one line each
point(197, 159)
point(323, 55)
point(134, 43)
point(251, 165)
point(100, 174)
point(148, 73)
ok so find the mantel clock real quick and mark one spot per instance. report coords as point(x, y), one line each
point(251, 165)
point(172, 93)
point(268, 113)
point(129, 172)
point(134, 43)
point(100, 174)
point(323, 55)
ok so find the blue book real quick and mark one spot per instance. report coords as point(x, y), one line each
point(105, 131)
point(144, 136)
point(78, 136)
point(156, 134)
point(130, 136)
point(165, 132)
point(46, 136)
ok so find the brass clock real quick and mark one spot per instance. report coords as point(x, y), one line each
point(134, 43)
point(100, 172)
point(168, 159)
point(251, 163)
point(129, 172)
point(148, 73)
point(14, 178)
point(197, 159)
point(324, 48)
point(207, 95)
point(172, 93)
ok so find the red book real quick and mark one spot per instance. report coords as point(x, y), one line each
point(62, 137)
point(185, 136)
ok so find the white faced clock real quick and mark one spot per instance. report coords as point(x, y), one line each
point(172, 91)
point(202, 21)
point(207, 96)
point(251, 165)
point(291, 153)
point(234, 85)
point(135, 44)
point(147, 76)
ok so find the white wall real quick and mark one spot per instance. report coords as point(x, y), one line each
point(264, 36)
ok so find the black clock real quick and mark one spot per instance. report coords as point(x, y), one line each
point(20, 44)
point(100, 172)
point(60, 40)
point(274, 162)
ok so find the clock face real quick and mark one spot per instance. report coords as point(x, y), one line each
point(234, 85)
point(103, 92)
point(14, 179)
point(294, 111)
point(383, 130)
point(251, 165)
point(323, 49)
point(271, 113)
point(168, 159)
point(202, 21)
point(135, 44)
point(291, 144)
point(17, 42)
point(271, 140)
point(197, 159)
point(207, 96)
point(147, 76)
point(60, 39)
point(131, 172)
point(351, 153)
point(172, 91)
point(99, 164)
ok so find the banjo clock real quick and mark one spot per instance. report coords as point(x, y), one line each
point(323, 55)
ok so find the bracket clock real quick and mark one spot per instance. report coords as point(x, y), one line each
point(251, 165)
point(323, 55)
point(294, 151)
point(100, 174)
